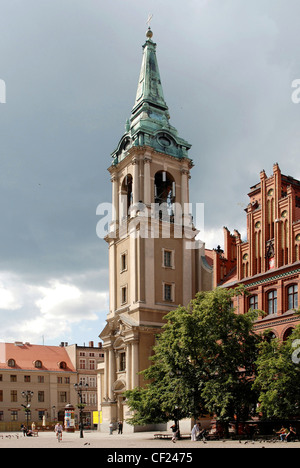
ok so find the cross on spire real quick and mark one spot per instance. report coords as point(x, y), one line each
point(150, 16)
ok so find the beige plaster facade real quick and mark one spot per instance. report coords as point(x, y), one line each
point(155, 265)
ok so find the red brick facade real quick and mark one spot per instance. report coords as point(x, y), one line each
point(267, 263)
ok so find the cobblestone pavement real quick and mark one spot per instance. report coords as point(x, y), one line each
point(144, 440)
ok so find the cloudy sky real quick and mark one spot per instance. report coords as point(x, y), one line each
point(71, 69)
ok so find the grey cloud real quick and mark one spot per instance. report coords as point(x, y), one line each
point(71, 69)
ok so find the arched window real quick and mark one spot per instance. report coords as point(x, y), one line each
point(11, 363)
point(38, 364)
point(272, 302)
point(62, 365)
point(292, 296)
point(269, 336)
point(164, 194)
point(127, 195)
point(287, 333)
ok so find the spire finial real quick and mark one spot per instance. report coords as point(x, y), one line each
point(149, 33)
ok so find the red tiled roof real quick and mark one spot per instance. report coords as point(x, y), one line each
point(25, 356)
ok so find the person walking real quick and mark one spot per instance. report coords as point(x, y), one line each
point(120, 427)
point(292, 434)
point(175, 432)
point(195, 432)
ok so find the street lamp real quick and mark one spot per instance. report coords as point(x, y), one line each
point(27, 395)
point(79, 389)
point(53, 408)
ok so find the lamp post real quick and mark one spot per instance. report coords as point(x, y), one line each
point(27, 395)
point(79, 389)
point(53, 408)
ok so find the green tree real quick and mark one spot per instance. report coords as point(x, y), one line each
point(203, 363)
point(278, 377)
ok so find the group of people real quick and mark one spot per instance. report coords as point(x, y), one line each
point(287, 434)
point(26, 431)
point(197, 432)
point(112, 427)
point(30, 432)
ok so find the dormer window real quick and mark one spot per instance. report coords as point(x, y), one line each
point(164, 140)
point(38, 364)
point(62, 365)
point(11, 363)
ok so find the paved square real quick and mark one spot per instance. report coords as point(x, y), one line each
point(128, 441)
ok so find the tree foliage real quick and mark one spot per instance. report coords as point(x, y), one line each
point(204, 362)
point(278, 377)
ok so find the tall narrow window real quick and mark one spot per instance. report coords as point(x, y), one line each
point(13, 396)
point(168, 258)
point(82, 364)
point(253, 302)
point(123, 262)
point(124, 295)
point(293, 297)
point(14, 415)
point(92, 365)
point(168, 292)
point(122, 362)
point(272, 302)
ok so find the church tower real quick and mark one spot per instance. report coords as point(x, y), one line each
point(155, 262)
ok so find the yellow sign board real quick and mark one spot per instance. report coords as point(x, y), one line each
point(97, 417)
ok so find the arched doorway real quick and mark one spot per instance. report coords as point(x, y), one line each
point(119, 389)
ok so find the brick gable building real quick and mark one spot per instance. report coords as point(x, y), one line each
point(268, 262)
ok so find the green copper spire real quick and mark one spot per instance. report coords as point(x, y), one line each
point(149, 122)
point(149, 87)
